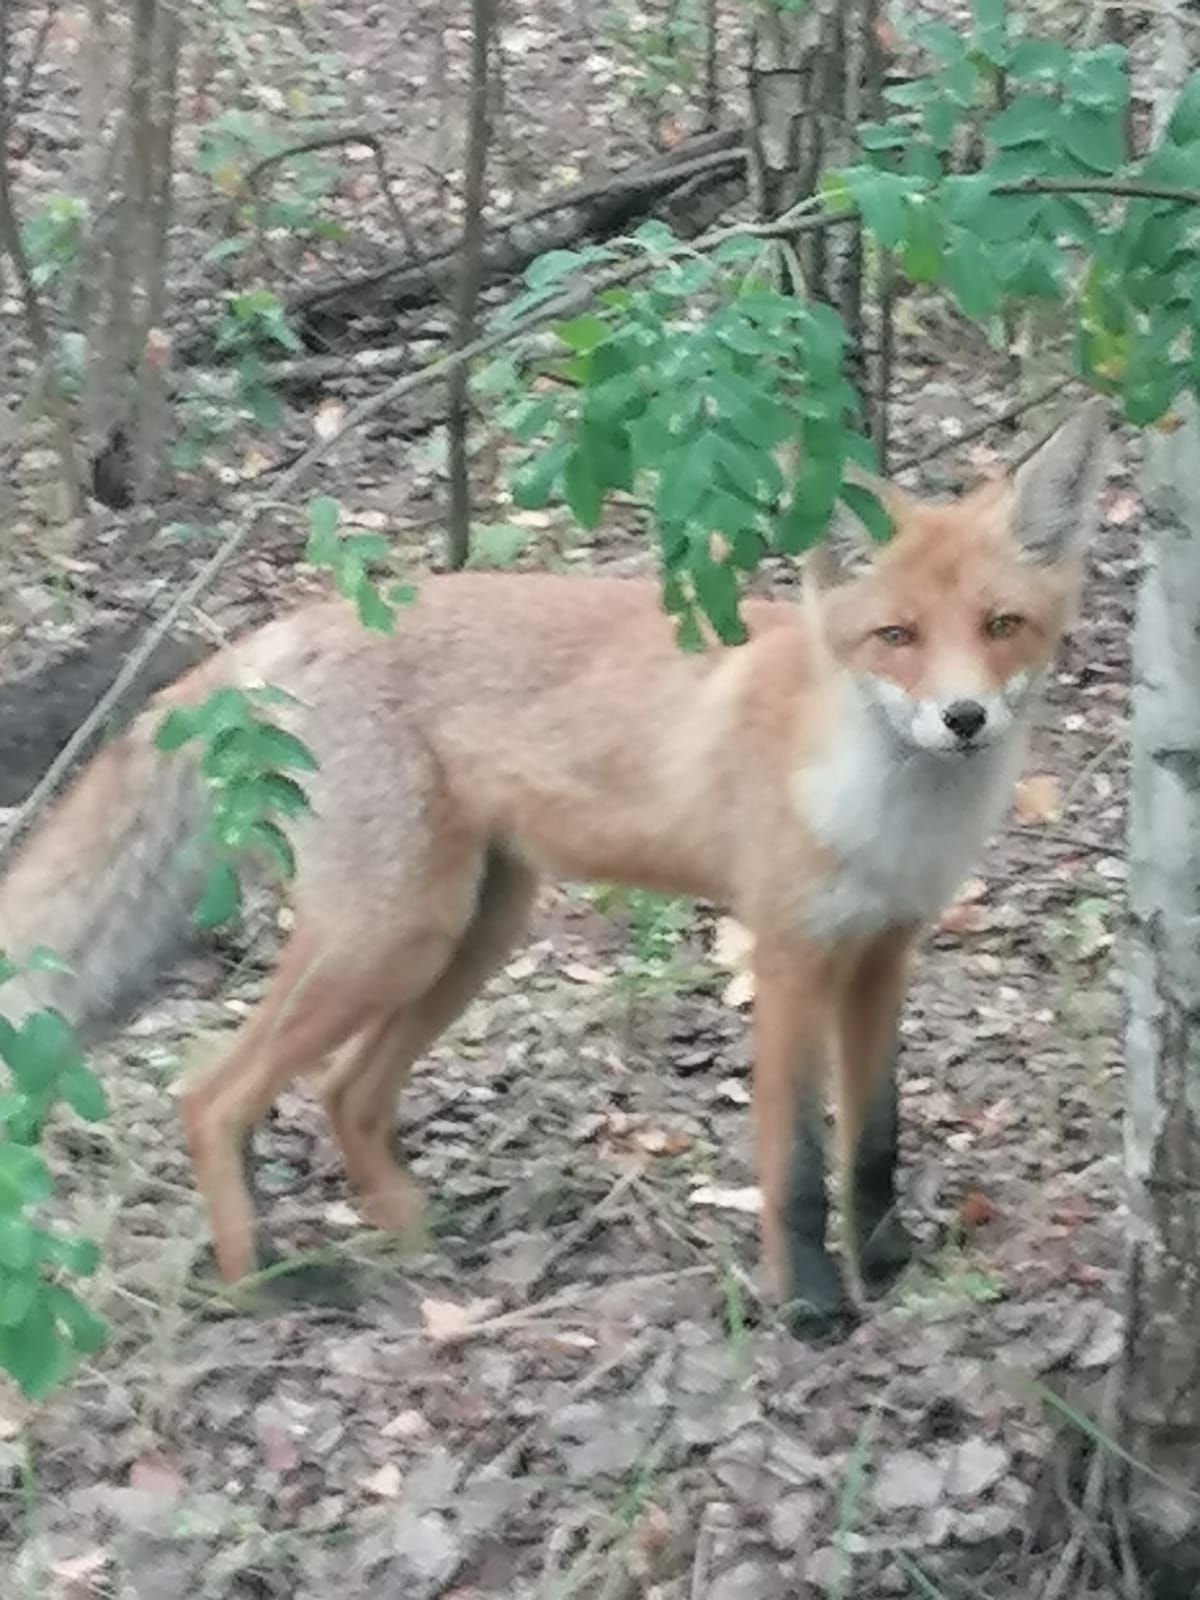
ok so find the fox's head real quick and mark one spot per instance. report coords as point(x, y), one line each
point(952, 623)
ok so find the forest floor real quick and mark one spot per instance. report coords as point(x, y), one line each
point(573, 1391)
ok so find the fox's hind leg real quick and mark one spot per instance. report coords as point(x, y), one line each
point(323, 993)
point(362, 1086)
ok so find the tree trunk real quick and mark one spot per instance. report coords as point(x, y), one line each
point(1162, 1126)
point(1161, 1401)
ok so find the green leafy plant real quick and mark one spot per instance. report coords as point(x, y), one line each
point(645, 388)
point(659, 57)
point(246, 762)
point(44, 1326)
point(53, 236)
point(694, 382)
point(351, 557)
point(218, 405)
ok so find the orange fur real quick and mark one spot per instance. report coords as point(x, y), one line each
point(517, 726)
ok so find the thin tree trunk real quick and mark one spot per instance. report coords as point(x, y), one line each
point(35, 322)
point(153, 350)
point(1162, 1122)
point(1161, 1402)
point(470, 271)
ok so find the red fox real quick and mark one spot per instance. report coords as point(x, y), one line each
point(829, 781)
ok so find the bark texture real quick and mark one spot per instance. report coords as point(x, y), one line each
point(1162, 1126)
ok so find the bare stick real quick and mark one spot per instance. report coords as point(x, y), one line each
point(469, 277)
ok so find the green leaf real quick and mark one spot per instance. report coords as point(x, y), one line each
point(921, 257)
point(322, 547)
point(940, 120)
point(583, 333)
point(176, 728)
point(40, 959)
point(1043, 59)
point(18, 1291)
point(17, 1239)
point(869, 511)
point(655, 236)
point(270, 838)
point(24, 1179)
point(83, 1092)
point(583, 494)
point(716, 591)
point(682, 485)
point(534, 483)
point(34, 1352)
point(221, 897)
point(68, 1251)
point(991, 28)
point(884, 135)
point(741, 247)
point(969, 274)
point(550, 269)
point(497, 544)
point(277, 792)
point(881, 197)
point(1033, 269)
point(1097, 79)
point(373, 610)
point(1095, 138)
point(1184, 124)
point(941, 40)
point(1028, 119)
point(87, 1331)
point(281, 749)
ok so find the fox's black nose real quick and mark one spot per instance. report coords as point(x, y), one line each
point(964, 718)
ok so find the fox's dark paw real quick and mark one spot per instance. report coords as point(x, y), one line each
point(817, 1309)
point(884, 1254)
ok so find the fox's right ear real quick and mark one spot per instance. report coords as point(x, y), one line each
point(1056, 492)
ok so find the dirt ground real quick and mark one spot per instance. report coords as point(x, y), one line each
point(572, 1391)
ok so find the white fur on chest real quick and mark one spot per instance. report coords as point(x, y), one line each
point(905, 826)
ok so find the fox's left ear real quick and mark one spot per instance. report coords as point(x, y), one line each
point(1056, 492)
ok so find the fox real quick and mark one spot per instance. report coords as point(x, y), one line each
point(829, 781)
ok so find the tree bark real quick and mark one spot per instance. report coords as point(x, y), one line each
point(1162, 1123)
point(1161, 1402)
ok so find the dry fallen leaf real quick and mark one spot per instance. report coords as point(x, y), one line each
point(579, 973)
point(1124, 507)
point(385, 1484)
point(1038, 798)
point(446, 1319)
point(733, 944)
point(408, 1424)
point(77, 1574)
point(280, 1451)
point(327, 419)
point(748, 1200)
point(156, 1475)
point(739, 991)
point(975, 1209)
point(662, 1141)
point(733, 1090)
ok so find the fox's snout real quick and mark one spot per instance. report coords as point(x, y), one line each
point(960, 719)
point(965, 719)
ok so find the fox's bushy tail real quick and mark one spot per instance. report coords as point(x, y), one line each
point(109, 882)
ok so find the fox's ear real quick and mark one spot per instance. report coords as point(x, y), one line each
point(1056, 492)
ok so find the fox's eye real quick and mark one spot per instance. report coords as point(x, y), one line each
point(897, 635)
point(1004, 625)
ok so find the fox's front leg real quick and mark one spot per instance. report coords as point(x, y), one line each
point(791, 1021)
point(868, 1107)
